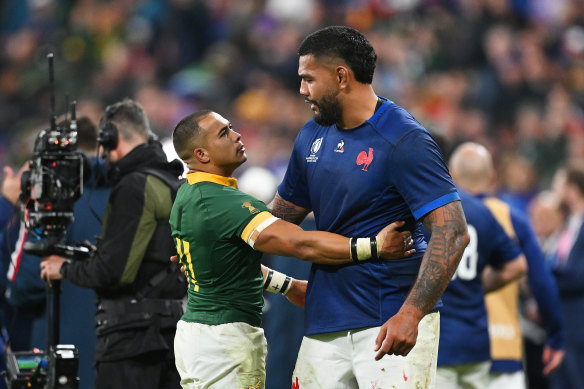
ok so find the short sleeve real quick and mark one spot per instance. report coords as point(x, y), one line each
point(294, 187)
point(232, 211)
point(505, 249)
point(421, 176)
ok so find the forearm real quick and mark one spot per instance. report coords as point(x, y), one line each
point(493, 279)
point(289, 240)
point(449, 237)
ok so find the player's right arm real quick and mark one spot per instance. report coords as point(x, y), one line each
point(286, 239)
point(494, 279)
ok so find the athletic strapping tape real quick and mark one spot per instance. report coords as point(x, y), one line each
point(277, 282)
point(363, 248)
point(258, 230)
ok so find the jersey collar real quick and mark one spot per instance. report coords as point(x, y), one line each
point(196, 177)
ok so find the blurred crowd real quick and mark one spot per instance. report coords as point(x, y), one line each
point(508, 74)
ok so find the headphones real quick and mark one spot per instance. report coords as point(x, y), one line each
point(107, 136)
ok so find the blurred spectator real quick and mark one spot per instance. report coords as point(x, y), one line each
point(569, 273)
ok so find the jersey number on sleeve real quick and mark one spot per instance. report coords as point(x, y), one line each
point(184, 254)
point(467, 268)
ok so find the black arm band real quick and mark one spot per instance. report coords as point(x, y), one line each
point(374, 248)
point(268, 278)
point(285, 284)
point(354, 250)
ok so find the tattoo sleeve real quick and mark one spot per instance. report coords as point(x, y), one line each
point(287, 211)
point(449, 237)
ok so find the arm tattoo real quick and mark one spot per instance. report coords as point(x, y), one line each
point(449, 237)
point(287, 211)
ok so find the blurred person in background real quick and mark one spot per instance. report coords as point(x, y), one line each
point(25, 290)
point(339, 170)
point(490, 261)
point(547, 217)
point(472, 168)
point(139, 291)
point(568, 270)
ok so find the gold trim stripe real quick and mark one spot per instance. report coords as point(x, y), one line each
point(189, 263)
point(252, 225)
point(196, 177)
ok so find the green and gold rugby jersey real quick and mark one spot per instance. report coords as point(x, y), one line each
point(211, 222)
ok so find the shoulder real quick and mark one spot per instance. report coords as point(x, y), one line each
point(395, 123)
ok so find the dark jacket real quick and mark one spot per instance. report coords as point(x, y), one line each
point(134, 249)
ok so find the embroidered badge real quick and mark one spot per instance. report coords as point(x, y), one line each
point(313, 150)
point(365, 159)
point(252, 209)
point(340, 147)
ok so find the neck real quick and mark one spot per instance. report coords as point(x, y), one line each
point(358, 106)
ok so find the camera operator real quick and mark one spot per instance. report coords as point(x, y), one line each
point(139, 291)
point(25, 296)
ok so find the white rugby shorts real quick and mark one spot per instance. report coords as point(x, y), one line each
point(231, 355)
point(346, 360)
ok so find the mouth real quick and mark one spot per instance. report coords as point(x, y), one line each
point(241, 149)
point(313, 105)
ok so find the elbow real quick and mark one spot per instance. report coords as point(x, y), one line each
point(464, 238)
point(521, 266)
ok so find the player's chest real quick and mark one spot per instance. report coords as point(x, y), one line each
point(344, 160)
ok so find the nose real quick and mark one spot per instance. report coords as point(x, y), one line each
point(235, 135)
point(303, 88)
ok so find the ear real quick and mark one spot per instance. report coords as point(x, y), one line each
point(342, 76)
point(201, 155)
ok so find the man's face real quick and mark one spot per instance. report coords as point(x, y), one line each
point(222, 143)
point(319, 87)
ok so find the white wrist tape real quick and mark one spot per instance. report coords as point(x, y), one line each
point(277, 282)
point(363, 248)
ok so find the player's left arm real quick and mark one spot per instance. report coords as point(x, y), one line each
point(287, 210)
point(449, 237)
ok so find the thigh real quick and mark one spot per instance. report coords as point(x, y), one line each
point(446, 377)
point(464, 376)
point(416, 370)
point(515, 380)
point(324, 361)
point(231, 355)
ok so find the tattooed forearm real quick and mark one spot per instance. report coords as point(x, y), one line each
point(449, 237)
point(287, 211)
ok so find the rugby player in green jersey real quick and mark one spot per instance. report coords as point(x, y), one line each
point(220, 235)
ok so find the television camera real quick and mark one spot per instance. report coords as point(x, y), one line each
point(49, 190)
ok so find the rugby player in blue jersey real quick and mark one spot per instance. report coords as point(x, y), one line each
point(464, 352)
point(472, 168)
point(362, 163)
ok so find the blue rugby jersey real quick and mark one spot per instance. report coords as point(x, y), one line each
point(357, 181)
point(464, 334)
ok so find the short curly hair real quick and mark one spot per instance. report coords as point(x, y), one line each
point(345, 43)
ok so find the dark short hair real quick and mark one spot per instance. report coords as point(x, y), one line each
point(575, 176)
point(132, 117)
point(86, 132)
point(345, 43)
point(186, 132)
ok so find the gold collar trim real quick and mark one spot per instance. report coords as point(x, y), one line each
point(196, 177)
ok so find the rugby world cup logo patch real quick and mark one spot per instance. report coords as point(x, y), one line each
point(313, 150)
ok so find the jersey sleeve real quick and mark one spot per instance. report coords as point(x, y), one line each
point(421, 176)
point(541, 281)
point(294, 187)
point(504, 248)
